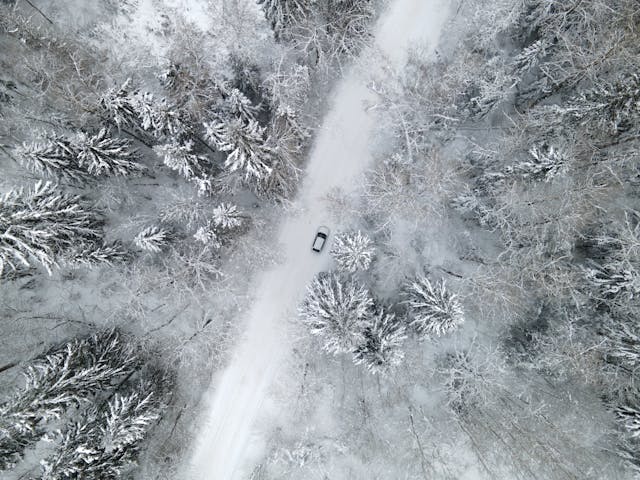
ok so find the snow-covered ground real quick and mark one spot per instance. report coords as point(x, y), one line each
point(225, 446)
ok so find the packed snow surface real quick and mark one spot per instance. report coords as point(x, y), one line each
point(224, 448)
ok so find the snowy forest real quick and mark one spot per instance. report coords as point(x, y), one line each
point(473, 313)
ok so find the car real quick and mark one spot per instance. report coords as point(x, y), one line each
point(321, 238)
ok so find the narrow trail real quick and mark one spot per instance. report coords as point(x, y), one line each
point(339, 158)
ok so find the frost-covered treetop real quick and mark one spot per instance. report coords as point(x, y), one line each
point(352, 251)
point(131, 108)
point(245, 144)
point(382, 348)
point(152, 239)
point(337, 309)
point(67, 377)
point(433, 310)
point(227, 216)
point(38, 223)
point(81, 157)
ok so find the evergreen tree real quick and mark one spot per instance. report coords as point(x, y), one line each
point(245, 145)
point(628, 414)
point(63, 378)
point(352, 251)
point(614, 279)
point(227, 216)
point(104, 443)
point(433, 310)
point(130, 108)
point(103, 155)
point(95, 254)
point(337, 310)
point(612, 107)
point(152, 239)
point(161, 119)
point(622, 346)
point(549, 163)
point(38, 225)
point(216, 132)
point(238, 105)
point(120, 107)
point(286, 141)
point(179, 156)
point(208, 236)
point(80, 158)
point(382, 349)
point(530, 56)
point(54, 157)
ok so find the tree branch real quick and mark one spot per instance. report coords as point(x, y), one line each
point(40, 12)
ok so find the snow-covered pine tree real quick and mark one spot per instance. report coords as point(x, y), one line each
point(612, 107)
point(145, 109)
point(286, 140)
point(238, 105)
point(152, 239)
point(104, 155)
point(131, 108)
point(433, 310)
point(245, 145)
point(281, 183)
point(382, 349)
point(613, 279)
point(76, 452)
point(180, 157)
point(352, 251)
point(227, 216)
point(628, 414)
point(548, 163)
point(128, 418)
point(622, 345)
point(215, 132)
point(37, 225)
point(81, 157)
point(208, 236)
point(62, 378)
point(104, 443)
point(120, 106)
point(161, 119)
point(96, 254)
point(337, 309)
point(53, 157)
point(530, 56)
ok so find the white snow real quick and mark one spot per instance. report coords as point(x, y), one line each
point(225, 448)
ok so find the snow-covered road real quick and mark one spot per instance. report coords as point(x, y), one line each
point(339, 158)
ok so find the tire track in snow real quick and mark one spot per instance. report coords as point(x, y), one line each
point(338, 159)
